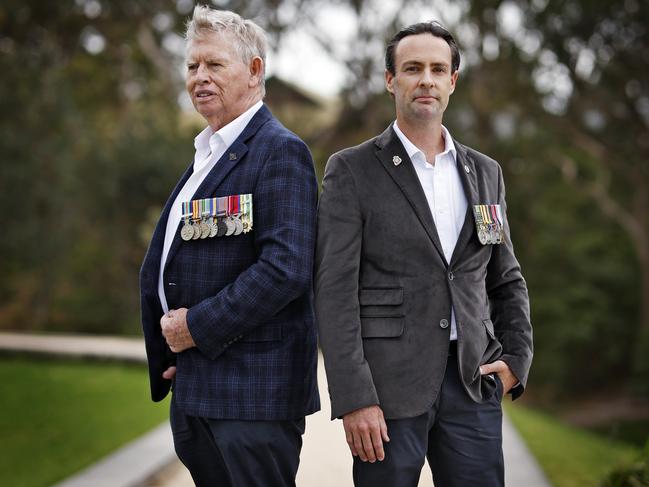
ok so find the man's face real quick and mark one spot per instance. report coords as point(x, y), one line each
point(219, 83)
point(423, 82)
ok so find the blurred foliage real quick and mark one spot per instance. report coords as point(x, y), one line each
point(93, 136)
point(633, 475)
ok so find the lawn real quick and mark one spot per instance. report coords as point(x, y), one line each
point(60, 416)
point(570, 456)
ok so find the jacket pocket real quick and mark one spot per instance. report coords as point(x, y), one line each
point(267, 332)
point(382, 327)
point(381, 302)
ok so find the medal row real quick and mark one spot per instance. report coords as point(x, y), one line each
point(216, 217)
point(489, 224)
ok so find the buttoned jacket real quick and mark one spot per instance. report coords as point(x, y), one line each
point(249, 296)
point(384, 289)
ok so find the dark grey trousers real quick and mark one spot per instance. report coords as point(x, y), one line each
point(232, 453)
point(461, 439)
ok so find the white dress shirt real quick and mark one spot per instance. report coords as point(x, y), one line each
point(444, 192)
point(210, 146)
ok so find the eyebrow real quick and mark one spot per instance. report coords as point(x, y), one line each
point(420, 63)
point(210, 59)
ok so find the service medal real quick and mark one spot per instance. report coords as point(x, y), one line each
point(214, 228)
point(229, 225)
point(187, 232)
point(238, 226)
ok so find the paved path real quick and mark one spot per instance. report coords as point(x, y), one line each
point(115, 348)
point(150, 461)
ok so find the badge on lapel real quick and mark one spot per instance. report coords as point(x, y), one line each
point(489, 224)
point(216, 217)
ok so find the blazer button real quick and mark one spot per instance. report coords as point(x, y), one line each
point(450, 276)
point(443, 323)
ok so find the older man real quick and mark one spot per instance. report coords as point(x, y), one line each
point(421, 305)
point(226, 285)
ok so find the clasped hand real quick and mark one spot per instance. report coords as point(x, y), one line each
point(176, 332)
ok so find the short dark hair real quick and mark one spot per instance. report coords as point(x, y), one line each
point(432, 27)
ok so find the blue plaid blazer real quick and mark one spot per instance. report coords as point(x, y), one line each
point(250, 296)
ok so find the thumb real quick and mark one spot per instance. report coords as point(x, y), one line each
point(169, 373)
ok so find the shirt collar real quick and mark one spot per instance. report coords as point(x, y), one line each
point(208, 140)
point(412, 149)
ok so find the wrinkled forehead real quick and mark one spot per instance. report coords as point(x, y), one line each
point(222, 43)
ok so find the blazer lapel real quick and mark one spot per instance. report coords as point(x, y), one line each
point(470, 185)
point(222, 168)
point(405, 176)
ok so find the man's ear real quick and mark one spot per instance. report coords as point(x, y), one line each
point(389, 78)
point(256, 71)
point(454, 80)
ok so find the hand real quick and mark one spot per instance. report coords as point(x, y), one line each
point(505, 374)
point(175, 330)
point(170, 373)
point(364, 429)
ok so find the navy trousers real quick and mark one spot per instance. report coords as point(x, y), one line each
point(232, 453)
point(461, 439)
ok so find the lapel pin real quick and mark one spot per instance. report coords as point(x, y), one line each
point(396, 160)
point(233, 156)
point(466, 168)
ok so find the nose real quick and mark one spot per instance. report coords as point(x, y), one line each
point(427, 78)
point(201, 73)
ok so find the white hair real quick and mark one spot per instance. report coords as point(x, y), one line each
point(250, 39)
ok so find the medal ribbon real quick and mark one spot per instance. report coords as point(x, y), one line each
point(494, 214)
point(485, 214)
point(185, 207)
point(248, 207)
point(500, 216)
point(195, 210)
point(233, 205)
point(221, 206)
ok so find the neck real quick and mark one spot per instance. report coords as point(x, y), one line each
point(219, 121)
point(427, 136)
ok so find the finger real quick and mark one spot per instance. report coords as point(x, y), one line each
point(368, 446)
point(384, 431)
point(350, 443)
point(375, 434)
point(358, 444)
point(170, 373)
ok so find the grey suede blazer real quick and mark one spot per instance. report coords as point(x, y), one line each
point(384, 289)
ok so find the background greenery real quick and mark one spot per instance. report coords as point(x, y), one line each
point(94, 134)
point(59, 416)
point(570, 457)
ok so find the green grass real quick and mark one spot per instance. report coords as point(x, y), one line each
point(570, 456)
point(60, 416)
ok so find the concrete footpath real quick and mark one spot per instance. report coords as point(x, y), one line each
point(150, 461)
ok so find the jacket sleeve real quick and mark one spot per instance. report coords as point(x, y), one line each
point(338, 252)
point(509, 301)
point(284, 205)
